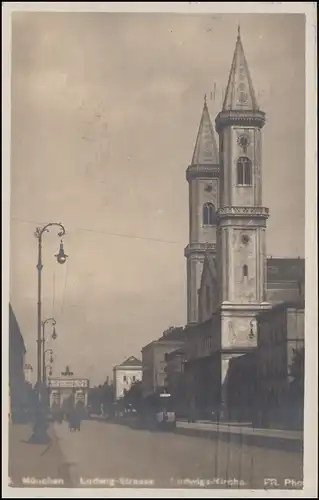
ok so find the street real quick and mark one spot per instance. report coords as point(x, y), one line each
point(108, 454)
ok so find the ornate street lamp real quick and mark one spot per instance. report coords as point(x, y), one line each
point(40, 429)
point(61, 256)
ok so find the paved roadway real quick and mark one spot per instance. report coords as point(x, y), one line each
point(108, 451)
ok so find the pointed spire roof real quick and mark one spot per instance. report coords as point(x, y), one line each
point(205, 152)
point(240, 94)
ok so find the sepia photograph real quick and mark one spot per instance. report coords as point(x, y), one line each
point(157, 263)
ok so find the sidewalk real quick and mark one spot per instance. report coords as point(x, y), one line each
point(29, 463)
point(288, 440)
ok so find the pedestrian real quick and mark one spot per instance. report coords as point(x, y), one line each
point(77, 416)
point(72, 420)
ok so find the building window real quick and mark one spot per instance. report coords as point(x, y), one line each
point(244, 169)
point(133, 378)
point(245, 271)
point(209, 214)
point(124, 378)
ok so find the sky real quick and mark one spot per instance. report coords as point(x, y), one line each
point(105, 110)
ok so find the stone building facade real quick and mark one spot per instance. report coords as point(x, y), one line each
point(125, 374)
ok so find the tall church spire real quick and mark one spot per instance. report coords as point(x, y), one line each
point(205, 152)
point(240, 94)
point(203, 179)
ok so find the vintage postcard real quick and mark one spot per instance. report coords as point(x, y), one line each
point(159, 255)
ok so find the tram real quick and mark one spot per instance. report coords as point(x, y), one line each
point(158, 411)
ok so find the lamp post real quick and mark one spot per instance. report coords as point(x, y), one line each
point(28, 369)
point(50, 369)
point(47, 369)
point(40, 429)
point(53, 336)
point(47, 366)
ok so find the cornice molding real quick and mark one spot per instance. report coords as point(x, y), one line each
point(240, 118)
point(204, 171)
point(199, 248)
point(260, 212)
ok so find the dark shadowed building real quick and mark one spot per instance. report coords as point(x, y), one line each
point(175, 380)
point(280, 334)
point(17, 385)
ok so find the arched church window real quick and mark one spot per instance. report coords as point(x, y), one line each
point(245, 271)
point(209, 214)
point(244, 171)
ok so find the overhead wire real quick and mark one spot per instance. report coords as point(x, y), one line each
point(121, 235)
point(109, 233)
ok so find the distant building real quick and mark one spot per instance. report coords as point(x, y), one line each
point(125, 374)
point(67, 390)
point(17, 350)
point(153, 359)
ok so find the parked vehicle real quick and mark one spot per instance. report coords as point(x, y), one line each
point(159, 412)
point(165, 413)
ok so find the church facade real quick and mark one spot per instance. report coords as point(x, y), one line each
point(230, 281)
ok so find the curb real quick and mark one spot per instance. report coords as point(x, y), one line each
point(285, 444)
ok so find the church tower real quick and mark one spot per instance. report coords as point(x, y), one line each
point(241, 252)
point(202, 176)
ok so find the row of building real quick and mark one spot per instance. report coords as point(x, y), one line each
point(189, 365)
point(245, 311)
point(185, 362)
